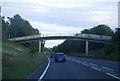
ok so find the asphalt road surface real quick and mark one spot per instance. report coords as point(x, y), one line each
point(82, 68)
point(77, 68)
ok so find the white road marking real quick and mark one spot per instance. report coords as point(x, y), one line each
point(107, 68)
point(85, 64)
point(73, 59)
point(78, 61)
point(45, 70)
point(113, 76)
point(96, 68)
point(93, 64)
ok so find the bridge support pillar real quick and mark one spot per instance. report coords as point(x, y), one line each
point(86, 50)
point(40, 47)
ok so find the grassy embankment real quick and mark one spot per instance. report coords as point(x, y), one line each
point(98, 54)
point(18, 61)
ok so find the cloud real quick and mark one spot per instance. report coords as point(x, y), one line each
point(69, 16)
point(60, 1)
point(54, 28)
point(39, 9)
point(65, 12)
point(51, 43)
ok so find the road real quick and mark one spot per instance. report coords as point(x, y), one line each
point(79, 68)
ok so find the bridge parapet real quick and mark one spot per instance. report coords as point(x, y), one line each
point(57, 34)
point(92, 36)
point(78, 35)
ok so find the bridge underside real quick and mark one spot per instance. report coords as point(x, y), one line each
point(61, 37)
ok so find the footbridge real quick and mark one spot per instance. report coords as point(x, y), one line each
point(58, 36)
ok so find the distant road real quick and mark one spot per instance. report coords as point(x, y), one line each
point(77, 68)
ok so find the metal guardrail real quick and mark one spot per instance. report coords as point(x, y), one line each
point(88, 36)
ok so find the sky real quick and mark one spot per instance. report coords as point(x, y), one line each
point(63, 16)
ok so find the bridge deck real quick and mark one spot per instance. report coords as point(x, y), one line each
point(89, 37)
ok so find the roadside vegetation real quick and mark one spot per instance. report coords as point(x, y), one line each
point(105, 51)
point(19, 60)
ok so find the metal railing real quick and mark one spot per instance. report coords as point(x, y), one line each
point(79, 35)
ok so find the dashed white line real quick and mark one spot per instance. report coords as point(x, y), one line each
point(113, 76)
point(96, 68)
point(85, 64)
point(45, 70)
point(93, 64)
point(73, 59)
point(78, 61)
point(107, 68)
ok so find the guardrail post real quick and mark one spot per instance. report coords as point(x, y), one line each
point(86, 50)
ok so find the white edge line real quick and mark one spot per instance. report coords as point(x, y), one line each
point(45, 70)
point(113, 76)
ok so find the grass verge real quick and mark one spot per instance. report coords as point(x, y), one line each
point(18, 62)
point(98, 54)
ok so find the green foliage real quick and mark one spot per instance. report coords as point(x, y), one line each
point(45, 49)
point(18, 61)
point(113, 47)
point(4, 29)
point(18, 27)
point(99, 30)
point(116, 36)
point(109, 51)
point(69, 46)
point(109, 48)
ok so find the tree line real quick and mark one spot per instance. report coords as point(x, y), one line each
point(16, 26)
point(110, 49)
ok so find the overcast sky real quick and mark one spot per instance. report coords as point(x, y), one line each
point(63, 16)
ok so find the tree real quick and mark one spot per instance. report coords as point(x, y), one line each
point(99, 30)
point(18, 27)
point(4, 29)
point(113, 48)
point(116, 35)
point(70, 46)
